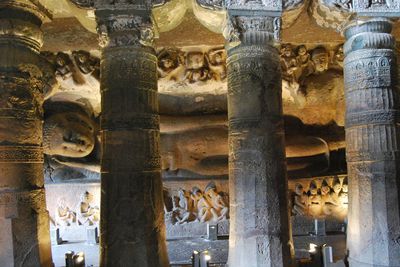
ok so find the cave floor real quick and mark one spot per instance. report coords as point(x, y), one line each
point(180, 250)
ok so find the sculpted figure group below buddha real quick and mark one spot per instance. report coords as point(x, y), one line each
point(196, 205)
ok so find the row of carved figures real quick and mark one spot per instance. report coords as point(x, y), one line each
point(326, 198)
point(197, 65)
point(85, 212)
point(198, 205)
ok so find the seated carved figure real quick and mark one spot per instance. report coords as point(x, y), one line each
point(183, 208)
point(315, 199)
point(68, 134)
point(87, 213)
point(201, 204)
point(64, 216)
point(219, 209)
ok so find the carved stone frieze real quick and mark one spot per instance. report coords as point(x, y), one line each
point(249, 6)
point(75, 65)
point(297, 63)
point(192, 66)
point(116, 4)
point(331, 13)
point(320, 198)
point(383, 8)
point(211, 4)
point(196, 205)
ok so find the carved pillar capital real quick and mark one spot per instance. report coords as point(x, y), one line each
point(251, 30)
point(20, 23)
point(128, 28)
point(367, 33)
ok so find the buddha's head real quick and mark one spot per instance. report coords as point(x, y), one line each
point(68, 134)
point(320, 58)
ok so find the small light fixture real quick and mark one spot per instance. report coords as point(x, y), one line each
point(313, 248)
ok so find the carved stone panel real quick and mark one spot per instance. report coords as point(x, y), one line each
point(256, 6)
point(384, 8)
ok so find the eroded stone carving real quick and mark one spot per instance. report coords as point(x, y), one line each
point(125, 30)
point(192, 66)
point(251, 30)
point(196, 205)
point(297, 63)
point(321, 198)
point(74, 66)
point(86, 212)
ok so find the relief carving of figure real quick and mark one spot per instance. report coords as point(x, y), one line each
point(86, 63)
point(64, 216)
point(65, 67)
point(196, 68)
point(68, 134)
point(198, 206)
point(219, 209)
point(320, 59)
point(339, 56)
point(300, 200)
point(88, 214)
point(289, 63)
point(201, 204)
point(170, 64)
point(315, 199)
point(217, 63)
point(183, 207)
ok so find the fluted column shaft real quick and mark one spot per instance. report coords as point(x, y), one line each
point(259, 227)
point(132, 219)
point(24, 221)
point(372, 144)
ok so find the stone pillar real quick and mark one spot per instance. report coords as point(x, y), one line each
point(132, 231)
point(24, 220)
point(372, 144)
point(259, 224)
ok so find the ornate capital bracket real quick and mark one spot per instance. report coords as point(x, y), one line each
point(252, 22)
point(381, 8)
point(369, 34)
point(337, 13)
point(251, 30)
point(129, 28)
point(118, 4)
point(123, 22)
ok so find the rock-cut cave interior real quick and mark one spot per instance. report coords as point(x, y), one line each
point(238, 133)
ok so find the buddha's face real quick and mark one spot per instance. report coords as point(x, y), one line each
point(68, 134)
point(321, 61)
